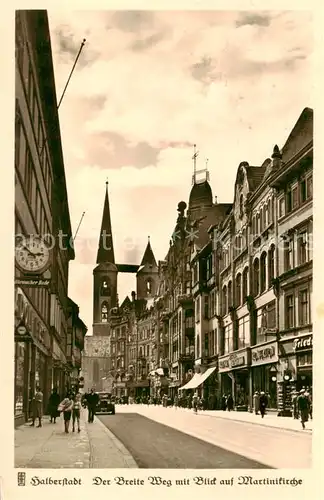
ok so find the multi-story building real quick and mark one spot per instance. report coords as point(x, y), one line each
point(261, 241)
point(41, 219)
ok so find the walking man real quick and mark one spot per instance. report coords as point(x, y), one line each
point(37, 407)
point(92, 401)
point(76, 410)
point(263, 403)
point(256, 400)
point(303, 407)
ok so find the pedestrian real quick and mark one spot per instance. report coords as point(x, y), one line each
point(92, 402)
point(37, 407)
point(195, 402)
point(54, 401)
point(263, 401)
point(224, 402)
point(230, 402)
point(303, 407)
point(294, 400)
point(66, 407)
point(310, 402)
point(76, 411)
point(256, 401)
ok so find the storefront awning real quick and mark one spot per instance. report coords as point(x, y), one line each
point(198, 379)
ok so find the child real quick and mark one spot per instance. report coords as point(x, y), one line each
point(66, 407)
point(76, 411)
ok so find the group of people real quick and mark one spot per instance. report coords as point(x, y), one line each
point(70, 406)
point(260, 403)
point(227, 402)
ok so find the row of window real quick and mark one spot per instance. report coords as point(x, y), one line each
point(297, 249)
point(262, 219)
point(297, 194)
point(118, 349)
point(298, 308)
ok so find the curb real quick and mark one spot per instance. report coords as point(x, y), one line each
point(257, 423)
point(127, 456)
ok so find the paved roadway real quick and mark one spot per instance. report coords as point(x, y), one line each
point(157, 446)
point(168, 438)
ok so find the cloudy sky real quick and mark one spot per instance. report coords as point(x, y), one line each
point(148, 85)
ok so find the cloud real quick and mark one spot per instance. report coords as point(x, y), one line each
point(160, 82)
point(131, 21)
point(252, 19)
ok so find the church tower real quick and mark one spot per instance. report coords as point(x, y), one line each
point(147, 275)
point(104, 276)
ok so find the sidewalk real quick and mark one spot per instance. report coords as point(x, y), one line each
point(269, 420)
point(49, 447)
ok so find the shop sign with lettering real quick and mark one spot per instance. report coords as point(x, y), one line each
point(224, 364)
point(237, 360)
point(303, 343)
point(265, 354)
point(32, 282)
point(234, 360)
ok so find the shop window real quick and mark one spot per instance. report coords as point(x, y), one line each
point(305, 359)
point(245, 284)
point(302, 247)
point(263, 272)
point(238, 290)
point(303, 308)
point(243, 332)
point(256, 277)
point(104, 312)
point(288, 255)
point(271, 265)
point(289, 311)
point(281, 207)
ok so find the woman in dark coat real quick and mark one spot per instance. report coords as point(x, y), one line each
point(224, 402)
point(54, 401)
point(303, 407)
point(230, 402)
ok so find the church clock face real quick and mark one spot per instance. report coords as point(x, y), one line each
point(32, 254)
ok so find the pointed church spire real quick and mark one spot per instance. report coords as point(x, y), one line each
point(106, 247)
point(148, 257)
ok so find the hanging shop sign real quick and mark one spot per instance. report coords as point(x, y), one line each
point(21, 333)
point(235, 360)
point(267, 353)
point(33, 282)
point(303, 344)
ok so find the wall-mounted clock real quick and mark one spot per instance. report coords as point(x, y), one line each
point(32, 254)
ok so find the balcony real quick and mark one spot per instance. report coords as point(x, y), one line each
point(186, 301)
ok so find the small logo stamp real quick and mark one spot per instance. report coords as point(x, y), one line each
point(21, 478)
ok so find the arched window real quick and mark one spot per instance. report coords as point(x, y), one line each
point(241, 205)
point(245, 284)
point(95, 371)
point(106, 287)
point(256, 277)
point(148, 286)
point(230, 294)
point(271, 264)
point(238, 290)
point(104, 312)
point(224, 300)
point(263, 272)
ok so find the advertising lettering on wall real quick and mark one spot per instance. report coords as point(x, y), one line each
point(265, 354)
point(237, 360)
point(303, 344)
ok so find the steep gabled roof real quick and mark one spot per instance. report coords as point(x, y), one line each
point(148, 257)
point(105, 246)
point(300, 136)
point(255, 176)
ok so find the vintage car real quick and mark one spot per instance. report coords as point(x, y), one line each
point(106, 403)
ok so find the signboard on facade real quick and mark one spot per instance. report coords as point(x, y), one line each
point(265, 354)
point(33, 282)
point(21, 333)
point(235, 360)
point(303, 343)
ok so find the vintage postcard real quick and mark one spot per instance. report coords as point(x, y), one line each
point(163, 302)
